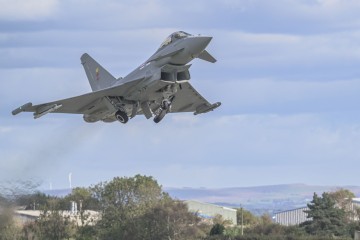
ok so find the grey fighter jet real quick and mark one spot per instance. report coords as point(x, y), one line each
point(157, 87)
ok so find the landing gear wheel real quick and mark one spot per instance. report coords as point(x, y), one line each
point(159, 117)
point(121, 117)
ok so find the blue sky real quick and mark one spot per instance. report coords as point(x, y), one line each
point(287, 74)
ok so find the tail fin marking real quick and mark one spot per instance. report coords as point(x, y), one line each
point(99, 78)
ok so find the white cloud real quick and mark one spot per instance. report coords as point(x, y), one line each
point(14, 10)
point(304, 16)
point(251, 95)
point(259, 49)
point(5, 129)
point(214, 151)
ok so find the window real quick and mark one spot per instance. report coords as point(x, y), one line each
point(181, 34)
point(174, 36)
point(166, 42)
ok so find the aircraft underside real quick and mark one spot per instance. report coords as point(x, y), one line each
point(121, 109)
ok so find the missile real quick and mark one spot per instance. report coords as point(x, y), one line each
point(22, 108)
point(46, 110)
point(204, 108)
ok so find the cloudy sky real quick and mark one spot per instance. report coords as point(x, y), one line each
point(287, 74)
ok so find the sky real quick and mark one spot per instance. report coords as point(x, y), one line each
point(287, 75)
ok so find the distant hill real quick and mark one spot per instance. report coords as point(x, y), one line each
point(272, 198)
point(260, 199)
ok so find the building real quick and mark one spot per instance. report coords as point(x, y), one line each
point(355, 203)
point(209, 211)
point(291, 217)
point(25, 216)
point(297, 216)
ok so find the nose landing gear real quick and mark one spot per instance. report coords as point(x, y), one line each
point(165, 108)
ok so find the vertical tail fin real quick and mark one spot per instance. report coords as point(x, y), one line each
point(98, 77)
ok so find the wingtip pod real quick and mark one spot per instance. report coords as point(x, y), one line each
point(204, 108)
point(23, 108)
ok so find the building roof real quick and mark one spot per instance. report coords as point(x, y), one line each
point(209, 204)
point(354, 200)
point(29, 213)
point(92, 216)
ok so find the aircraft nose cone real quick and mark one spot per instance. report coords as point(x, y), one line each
point(204, 40)
point(199, 43)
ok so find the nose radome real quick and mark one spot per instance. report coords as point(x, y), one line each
point(199, 44)
point(205, 40)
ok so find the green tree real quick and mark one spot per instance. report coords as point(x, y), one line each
point(6, 213)
point(265, 226)
point(218, 219)
point(37, 200)
point(343, 199)
point(325, 218)
point(86, 232)
point(8, 229)
point(50, 225)
point(122, 201)
point(249, 219)
point(217, 229)
point(170, 219)
point(84, 198)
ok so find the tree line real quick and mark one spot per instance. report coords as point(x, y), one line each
point(138, 208)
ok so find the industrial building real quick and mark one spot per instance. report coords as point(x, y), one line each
point(291, 217)
point(298, 215)
point(209, 211)
point(355, 204)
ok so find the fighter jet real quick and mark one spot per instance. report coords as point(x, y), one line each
point(157, 87)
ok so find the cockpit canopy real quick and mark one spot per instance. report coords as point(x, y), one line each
point(173, 37)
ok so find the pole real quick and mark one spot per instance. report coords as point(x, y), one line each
point(242, 221)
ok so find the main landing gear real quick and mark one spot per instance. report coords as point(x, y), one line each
point(165, 107)
point(121, 116)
